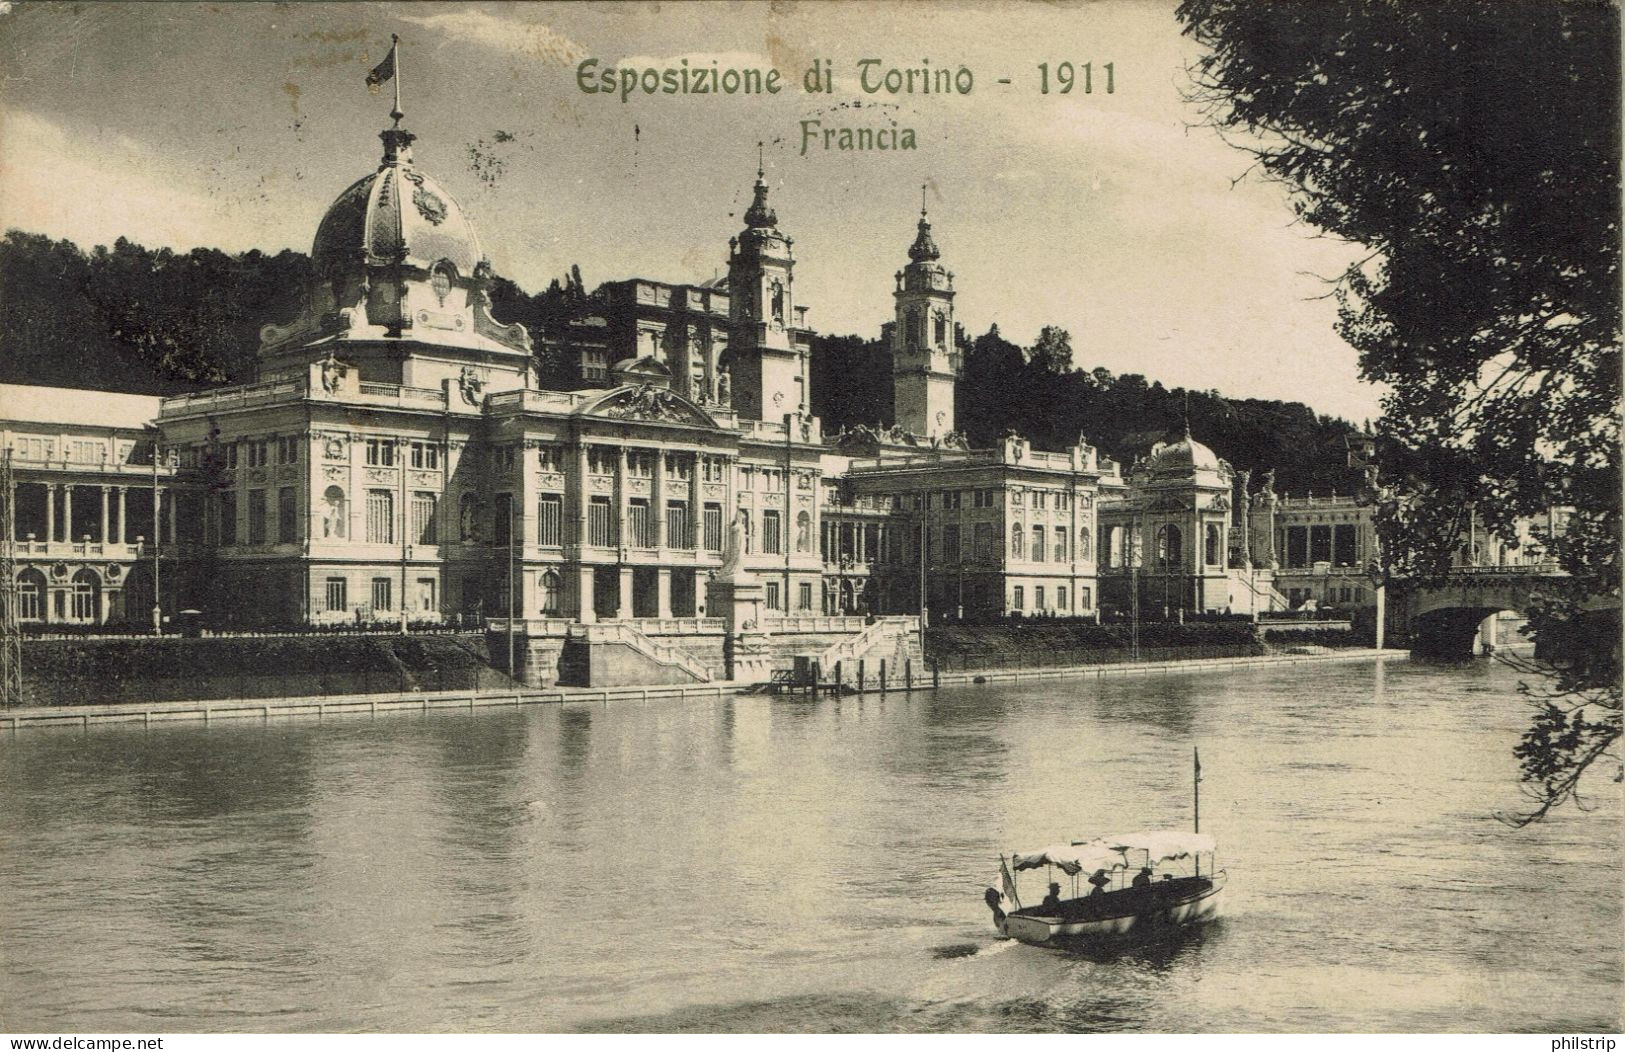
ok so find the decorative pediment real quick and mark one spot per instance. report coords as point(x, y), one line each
point(648, 402)
point(1168, 502)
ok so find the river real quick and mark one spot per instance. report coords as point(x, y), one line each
point(750, 864)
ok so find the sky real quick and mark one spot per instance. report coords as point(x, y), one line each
point(1114, 216)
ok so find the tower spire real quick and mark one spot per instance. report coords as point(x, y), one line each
point(761, 161)
point(922, 200)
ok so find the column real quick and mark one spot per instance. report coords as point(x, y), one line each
point(624, 610)
point(657, 499)
point(584, 597)
point(105, 538)
point(123, 519)
point(663, 591)
point(11, 513)
point(621, 538)
point(583, 498)
point(67, 512)
point(696, 511)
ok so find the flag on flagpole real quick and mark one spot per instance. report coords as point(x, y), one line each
point(385, 70)
point(1009, 885)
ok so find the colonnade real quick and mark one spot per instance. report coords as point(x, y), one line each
point(116, 527)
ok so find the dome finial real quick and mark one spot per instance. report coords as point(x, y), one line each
point(761, 161)
point(922, 200)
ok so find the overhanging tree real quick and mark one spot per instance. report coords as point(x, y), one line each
point(1473, 146)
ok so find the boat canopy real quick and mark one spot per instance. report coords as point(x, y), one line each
point(1119, 852)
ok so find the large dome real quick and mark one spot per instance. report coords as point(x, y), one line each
point(397, 213)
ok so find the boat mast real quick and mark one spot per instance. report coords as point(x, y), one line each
point(1196, 799)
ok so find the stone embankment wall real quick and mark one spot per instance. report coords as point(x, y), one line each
point(113, 671)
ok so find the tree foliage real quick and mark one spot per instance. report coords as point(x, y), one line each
point(1473, 146)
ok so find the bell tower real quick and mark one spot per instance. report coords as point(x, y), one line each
point(768, 372)
point(925, 360)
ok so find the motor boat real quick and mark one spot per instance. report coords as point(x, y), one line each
point(1170, 887)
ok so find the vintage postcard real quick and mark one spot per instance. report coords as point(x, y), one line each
point(810, 518)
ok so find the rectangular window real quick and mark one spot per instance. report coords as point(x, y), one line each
point(1018, 600)
point(1060, 599)
point(679, 466)
point(1343, 545)
point(677, 532)
point(287, 515)
point(425, 455)
point(772, 595)
point(1320, 544)
point(1038, 544)
point(804, 595)
point(600, 460)
point(381, 452)
point(1297, 546)
point(1038, 598)
point(713, 527)
point(600, 526)
point(228, 518)
point(770, 533)
point(256, 516)
point(338, 594)
point(382, 596)
point(380, 516)
point(423, 518)
point(231, 457)
point(426, 595)
point(1040, 499)
point(1060, 544)
point(550, 519)
point(950, 543)
point(639, 530)
point(502, 520)
point(640, 465)
point(985, 544)
point(1085, 599)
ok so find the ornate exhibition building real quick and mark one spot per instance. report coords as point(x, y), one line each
point(398, 461)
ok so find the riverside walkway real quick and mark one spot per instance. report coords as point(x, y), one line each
point(84, 716)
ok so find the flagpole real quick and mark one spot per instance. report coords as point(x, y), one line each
point(395, 51)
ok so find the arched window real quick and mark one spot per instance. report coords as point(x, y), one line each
point(1018, 542)
point(87, 591)
point(1170, 547)
point(941, 329)
point(31, 596)
point(552, 599)
point(335, 513)
point(1083, 544)
point(1215, 544)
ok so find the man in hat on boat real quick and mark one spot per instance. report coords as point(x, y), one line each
point(1052, 901)
point(1142, 879)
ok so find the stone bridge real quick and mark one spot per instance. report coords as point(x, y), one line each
point(1444, 618)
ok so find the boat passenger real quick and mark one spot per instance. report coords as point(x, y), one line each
point(1099, 880)
point(1052, 901)
point(1142, 879)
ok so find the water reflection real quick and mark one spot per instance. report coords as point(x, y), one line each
point(751, 864)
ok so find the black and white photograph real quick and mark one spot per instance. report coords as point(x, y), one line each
point(898, 518)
